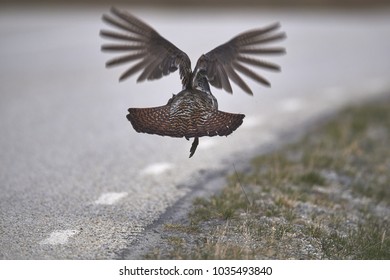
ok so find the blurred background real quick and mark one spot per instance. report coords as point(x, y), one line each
point(283, 3)
point(71, 164)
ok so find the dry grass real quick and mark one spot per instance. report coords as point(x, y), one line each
point(326, 197)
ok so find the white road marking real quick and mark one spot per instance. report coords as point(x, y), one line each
point(291, 104)
point(157, 168)
point(59, 237)
point(110, 198)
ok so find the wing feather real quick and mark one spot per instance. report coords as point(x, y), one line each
point(236, 53)
point(140, 42)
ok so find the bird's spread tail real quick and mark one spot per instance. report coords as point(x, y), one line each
point(157, 120)
point(154, 120)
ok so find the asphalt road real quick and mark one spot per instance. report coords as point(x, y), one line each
point(77, 182)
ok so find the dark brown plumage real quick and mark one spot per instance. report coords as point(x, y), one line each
point(193, 112)
point(185, 115)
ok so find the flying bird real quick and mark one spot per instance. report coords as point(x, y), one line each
point(193, 112)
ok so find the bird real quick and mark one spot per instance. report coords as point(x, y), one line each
point(193, 112)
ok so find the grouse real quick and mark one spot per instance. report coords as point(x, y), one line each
point(193, 112)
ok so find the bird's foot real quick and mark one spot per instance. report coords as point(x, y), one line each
point(194, 146)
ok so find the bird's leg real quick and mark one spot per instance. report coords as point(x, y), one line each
point(194, 146)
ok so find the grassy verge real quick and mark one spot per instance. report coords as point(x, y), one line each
point(326, 197)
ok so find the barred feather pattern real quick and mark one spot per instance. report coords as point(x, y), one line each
point(185, 115)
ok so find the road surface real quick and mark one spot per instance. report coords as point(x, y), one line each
point(77, 182)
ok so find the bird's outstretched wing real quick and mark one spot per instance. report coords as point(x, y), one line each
point(221, 63)
point(158, 120)
point(137, 42)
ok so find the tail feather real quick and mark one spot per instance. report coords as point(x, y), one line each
point(157, 120)
point(220, 123)
point(153, 120)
